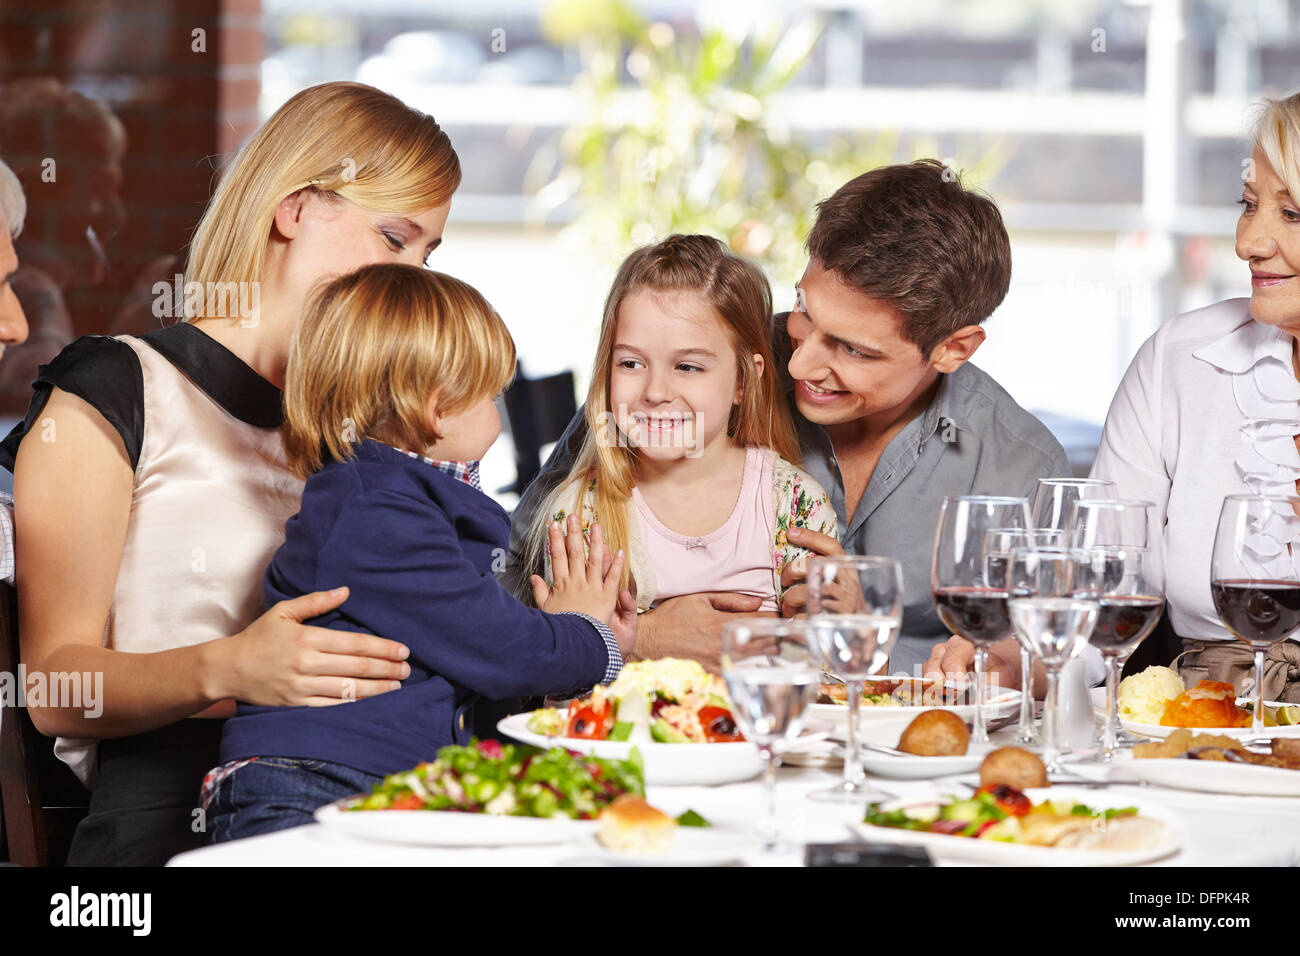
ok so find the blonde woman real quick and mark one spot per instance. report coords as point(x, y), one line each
point(1210, 407)
point(152, 485)
point(413, 360)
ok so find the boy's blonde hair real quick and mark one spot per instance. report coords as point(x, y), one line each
point(346, 140)
point(740, 296)
point(373, 346)
point(1277, 133)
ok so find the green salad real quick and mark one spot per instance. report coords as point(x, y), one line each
point(510, 780)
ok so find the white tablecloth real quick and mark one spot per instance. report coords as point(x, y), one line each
point(1220, 830)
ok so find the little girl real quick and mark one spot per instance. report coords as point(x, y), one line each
point(389, 405)
point(689, 458)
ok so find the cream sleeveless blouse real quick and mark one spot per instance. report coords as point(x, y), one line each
point(210, 499)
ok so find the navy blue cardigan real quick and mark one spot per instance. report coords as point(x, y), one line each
point(418, 549)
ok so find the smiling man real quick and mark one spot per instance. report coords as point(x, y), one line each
point(905, 265)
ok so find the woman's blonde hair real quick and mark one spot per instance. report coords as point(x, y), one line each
point(370, 350)
point(1277, 133)
point(345, 140)
point(738, 292)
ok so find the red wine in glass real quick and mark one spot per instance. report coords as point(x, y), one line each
point(1124, 621)
point(1258, 611)
point(978, 614)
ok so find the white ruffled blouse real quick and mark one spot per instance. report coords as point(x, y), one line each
point(1208, 408)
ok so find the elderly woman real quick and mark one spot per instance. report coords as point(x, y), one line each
point(13, 210)
point(152, 486)
point(1211, 407)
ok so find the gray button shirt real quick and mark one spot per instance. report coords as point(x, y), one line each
point(971, 439)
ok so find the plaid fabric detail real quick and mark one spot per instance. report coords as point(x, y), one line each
point(466, 471)
point(6, 537)
point(216, 776)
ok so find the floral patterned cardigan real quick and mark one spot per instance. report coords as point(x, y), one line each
point(800, 502)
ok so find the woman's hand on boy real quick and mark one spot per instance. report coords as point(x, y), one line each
point(584, 580)
point(279, 661)
point(793, 574)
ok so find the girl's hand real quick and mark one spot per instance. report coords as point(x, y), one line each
point(587, 583)
point(793, 574)
point(279, 661)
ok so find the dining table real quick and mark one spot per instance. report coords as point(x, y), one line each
point(1216, 829)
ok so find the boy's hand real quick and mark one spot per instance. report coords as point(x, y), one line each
point(583, 582)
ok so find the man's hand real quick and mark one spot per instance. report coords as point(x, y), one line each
point(691, 626)
point(794, 573)
point(955, 658)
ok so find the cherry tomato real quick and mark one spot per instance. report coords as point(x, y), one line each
point(1011, 802)
point(408, 802)
point(590, 723)
point(719, 726)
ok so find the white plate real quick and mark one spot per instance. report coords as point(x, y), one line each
point(665, 764)
point(884, 725)
point(1210, 776)
point(1155, 731)
point(909, 767)
point(692, 846)
point(943, 847)
point(445, 828)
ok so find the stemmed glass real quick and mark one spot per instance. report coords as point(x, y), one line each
point(1052, 630)
point(772, 676)
point(998, 545)
point(1131, 602)
point(855, 608)
point(1055, 497)
point(1254, 578)
point(970, 604)
point(1056, 628)
point(1110, 521)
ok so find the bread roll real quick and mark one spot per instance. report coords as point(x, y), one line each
point(1013, 767)
point(935, 733)
point(631, 825)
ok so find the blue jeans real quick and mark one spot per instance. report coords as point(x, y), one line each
point(276, 793)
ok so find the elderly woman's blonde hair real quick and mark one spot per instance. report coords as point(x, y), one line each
point(346, 140)
point(1277, 133)
point(373, 347)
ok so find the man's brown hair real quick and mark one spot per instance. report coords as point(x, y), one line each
point(913, 236)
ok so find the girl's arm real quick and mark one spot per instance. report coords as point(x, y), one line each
point(72, 505)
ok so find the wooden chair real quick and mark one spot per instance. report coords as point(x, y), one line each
point(42, 800)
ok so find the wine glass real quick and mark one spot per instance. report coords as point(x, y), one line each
point(998, 545)
point(969, 604)
point(855, 610)
point(1131, 602)
point(1056, 629)
point(1055, 496)
point(772, 676)
point(1110, 521)
point(1254, 579)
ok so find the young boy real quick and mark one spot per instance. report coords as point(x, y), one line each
point(389, 405)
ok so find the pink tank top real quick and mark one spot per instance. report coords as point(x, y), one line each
point(735, 557)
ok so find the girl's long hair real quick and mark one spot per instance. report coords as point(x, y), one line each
point(739, 294)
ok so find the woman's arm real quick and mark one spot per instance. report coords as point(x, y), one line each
point(72, 490)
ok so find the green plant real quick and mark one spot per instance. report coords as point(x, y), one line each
point(695, 143)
